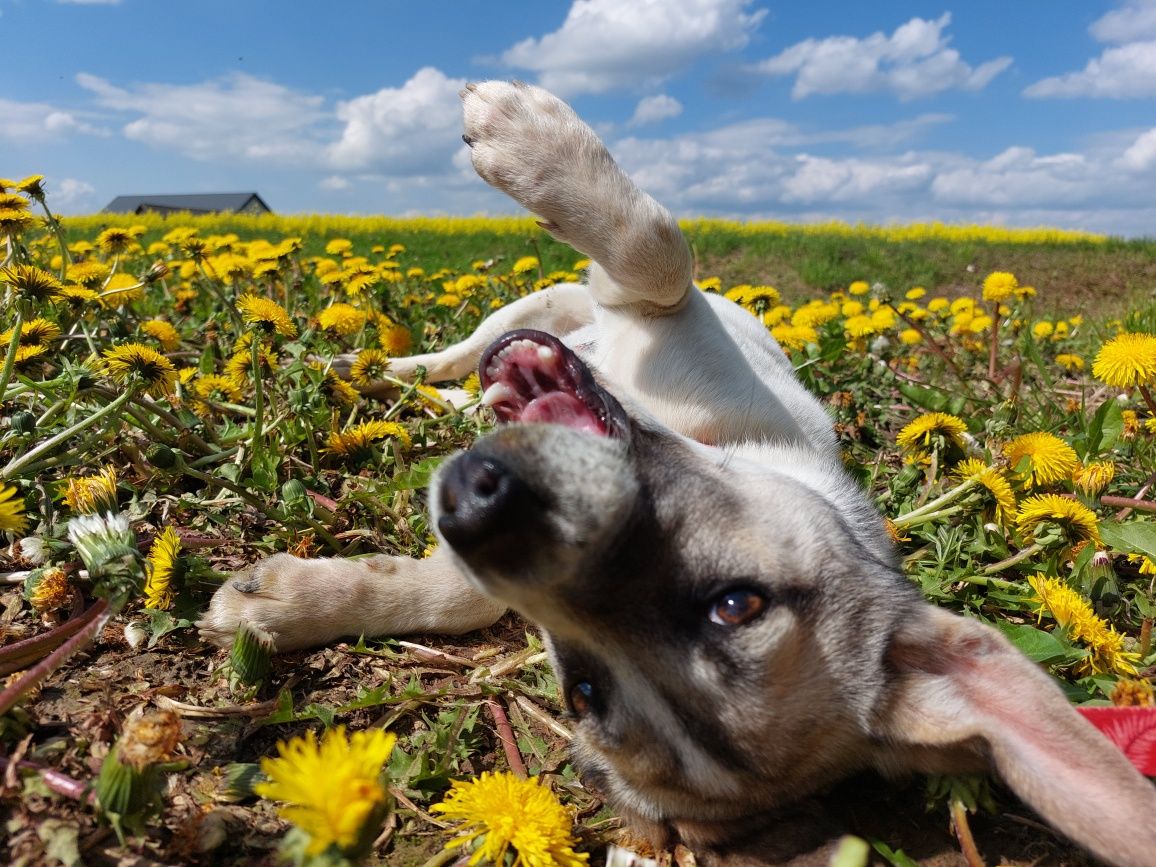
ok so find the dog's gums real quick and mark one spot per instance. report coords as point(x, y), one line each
point(531, 376)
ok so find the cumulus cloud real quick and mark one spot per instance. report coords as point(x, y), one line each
point(71, 194)
point(605, 45)
point(914, 61)
point(652, 109)
point(1126, 70)
point(1141, 154)
point(238, 116)
point(31, 122)
point(410, 130)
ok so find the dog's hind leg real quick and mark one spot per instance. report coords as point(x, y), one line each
point(305, 603)
point(558, 310)
point(529, 144)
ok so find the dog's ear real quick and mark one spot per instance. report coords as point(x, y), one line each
point(961, 689)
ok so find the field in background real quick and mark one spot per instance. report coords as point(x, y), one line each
point(1078, 268)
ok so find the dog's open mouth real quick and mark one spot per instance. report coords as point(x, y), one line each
point(531, 376)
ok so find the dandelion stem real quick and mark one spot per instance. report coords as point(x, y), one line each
point(938, 503)
point(48, 445)
point(258, 401)
point(1028, 552)
point(1147, 395)
point(10, 356)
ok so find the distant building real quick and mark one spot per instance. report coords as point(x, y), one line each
point(195, 203)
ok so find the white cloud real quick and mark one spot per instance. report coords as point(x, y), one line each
point(1124, 72)
point(29, 122)
point(235, 116)
point(914, 61)
point(652, 109)
point(1133, 22)
point(410, 130)
point(71, 195)
point(608, 44)
point(334, 183)
point(1141, 154)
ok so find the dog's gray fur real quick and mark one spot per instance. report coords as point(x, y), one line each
point(728, 476)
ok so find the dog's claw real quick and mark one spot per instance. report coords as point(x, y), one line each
point(468, 139)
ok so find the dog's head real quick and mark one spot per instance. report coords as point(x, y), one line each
point(728, 636)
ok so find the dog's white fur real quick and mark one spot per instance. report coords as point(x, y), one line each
point(953, 693)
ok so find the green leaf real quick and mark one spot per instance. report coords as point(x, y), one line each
point(1036, 644)
point(894, 857)
point(1133, 536)
point(416, 476)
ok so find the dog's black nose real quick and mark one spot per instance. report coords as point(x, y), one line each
point(481, 500)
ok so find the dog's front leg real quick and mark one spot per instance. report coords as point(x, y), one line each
point(529, 144)
point(306, 603)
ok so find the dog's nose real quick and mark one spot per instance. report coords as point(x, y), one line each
point(481, 498)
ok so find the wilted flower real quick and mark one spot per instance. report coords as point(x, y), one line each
point(48, 589)
point(90, 494)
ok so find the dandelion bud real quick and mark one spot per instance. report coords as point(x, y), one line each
point(107, 546)
point(47, 590)
point(22, 422)
point(250, 659)
point(158, 271)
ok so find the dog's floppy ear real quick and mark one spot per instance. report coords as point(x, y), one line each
point(961, 689)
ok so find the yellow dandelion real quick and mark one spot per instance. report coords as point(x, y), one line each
point(12, 517)
point(338, 390)
point(217, 388)
point(525, 265)
point(915, 294)
point(504, 815)
point(162, 332)
point(1093, 478)
point(117, 240)
point(356, 442)
point(343, 319)
point(50, 590)
point(14, 222)
point(1043, 330)
point(33, 185)
point(32, 283)
point(998, 488)
point(90, 274)
point(859, 287)
point(266, 315)
point(931, 430)
point(473, 384)
point(1147, 565)
point(338, 246)
point(1127, 360)
point(794, 337)
point(35, 332)
point(1040, 458)
point(1075, 614)
point(999, 286)
point(756, 299)
point(860, 325)
point(1075, 521)
point(371, 365)
point(89, 495)
point(910, 337)
point(332, 789)
point(1070, 361)
point(162, 567)
point(394, 339)
point(136, 364)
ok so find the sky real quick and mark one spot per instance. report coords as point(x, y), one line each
point(1022, 113)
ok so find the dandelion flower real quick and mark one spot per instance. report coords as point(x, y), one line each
point(266, 314)
point(794, 337)
point(1076, 521)
point(14, 222)
point(1050, 459)
point(502, 813)
point(32, 283)
point(116, 240)
point(217, 388)
point(919, 436)
point(1127, 360)
point(87, 495)
point(33, 186)
point(331, 788)
point(161, 567)
point(1070, 361)
point(12, 517)
point(1094, 477)
point(371, 365)
point(999, 286)
point(998, 488)
point(132, 363)
point(756, 299)
point(342, 319)
point(90, 274)
point(1075, 614)
point(525, 265)
point(162, 332)
point(356, 441)
point(859, 287)
point(338, 246)
point(394, 339)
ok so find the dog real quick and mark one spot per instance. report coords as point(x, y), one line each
point(721, 602)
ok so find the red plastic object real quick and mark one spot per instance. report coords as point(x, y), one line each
point(1132, 729)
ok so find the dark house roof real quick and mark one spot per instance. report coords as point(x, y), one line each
point(197, 203)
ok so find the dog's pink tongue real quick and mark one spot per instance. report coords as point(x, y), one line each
point(558, 407)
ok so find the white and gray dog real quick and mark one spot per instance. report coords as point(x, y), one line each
point(721, 602)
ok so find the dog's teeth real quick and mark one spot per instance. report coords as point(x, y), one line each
point(493, 370)
point(546, 354)
point(498, 392)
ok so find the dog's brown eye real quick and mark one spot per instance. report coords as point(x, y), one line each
point(736, 607)
point(582, 697)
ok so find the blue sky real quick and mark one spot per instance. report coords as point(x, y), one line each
point(1020, 113)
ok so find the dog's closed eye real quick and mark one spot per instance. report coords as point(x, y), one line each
point(736, 606)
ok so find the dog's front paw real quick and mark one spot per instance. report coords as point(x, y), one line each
point(529, 144)
point(284, 596)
